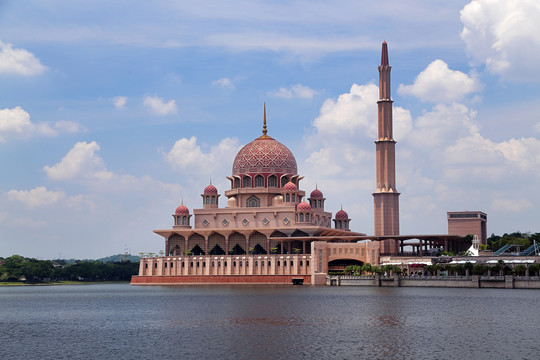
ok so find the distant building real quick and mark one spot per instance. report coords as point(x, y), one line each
point(463, 223)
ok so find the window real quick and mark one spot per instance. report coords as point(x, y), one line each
point(256, 263)
point(288, 198)
point(191, 264)
point(204, 264)
point(165, 264)
point(155, 265)
point(283, 181)
point(213, 199)
point(197, 264)
point(301, 263)
point(247, 263)
point(278, 263)
point(307, 217)
point(247, 182)
point(292, 263)
point(225, 263)
point(253, 201)
point(184, 220)
point(182, 264)
point(293, 198)
point(146, 266)
point(320, 203)
point(272, 181)
point(301, 217)
point(307, 262)
point(219, 264)
point(285, 263)
point(240, 263)
point(269, 263)
point(208, 199)
point(259, 181)
point(236, 182)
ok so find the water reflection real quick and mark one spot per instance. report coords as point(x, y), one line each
point(266, 322)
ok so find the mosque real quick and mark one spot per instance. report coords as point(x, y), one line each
point(269, 232)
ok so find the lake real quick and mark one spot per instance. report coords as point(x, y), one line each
point(267, 322)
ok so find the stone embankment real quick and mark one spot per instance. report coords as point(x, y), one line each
point(474, 281)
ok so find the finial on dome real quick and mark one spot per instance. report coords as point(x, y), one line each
point(182, 201)
point(265, 130)
point(384, 54)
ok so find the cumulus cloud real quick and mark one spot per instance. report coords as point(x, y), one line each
point(442, 126)
point(18, 61)
point(80, 162)
point(223, 83)
point(159, 107)
point(119, 102)
point(504, 36)
point(297, 91)
point(187, 153)
point(16, 122)
point(439, 84)
point(352, 112)
point(37, 197)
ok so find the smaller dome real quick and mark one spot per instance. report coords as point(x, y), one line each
point(303, 206)
point(182, 210)
point(316, 194)
point(342, 215)
point(210, 190)
point(290, 187)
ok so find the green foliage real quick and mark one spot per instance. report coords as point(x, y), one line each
point(18, 268)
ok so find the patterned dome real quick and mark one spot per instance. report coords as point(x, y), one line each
point(210, 190)
point(316, 194)
point(182, 210)
point(342, 215)
point(303, 206)
point(264, 155)
point(290, 187)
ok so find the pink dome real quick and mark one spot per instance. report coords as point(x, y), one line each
point(264, 155)
point(342, 215)
point(290, 187)
point(303, 206)
point(316, 194)
point(182, 210)
point(210, 190)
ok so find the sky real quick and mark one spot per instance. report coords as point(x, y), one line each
point(111, 113)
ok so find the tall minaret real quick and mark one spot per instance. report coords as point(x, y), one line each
point(386, 196)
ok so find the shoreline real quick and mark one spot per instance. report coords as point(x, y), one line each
point(54, 283)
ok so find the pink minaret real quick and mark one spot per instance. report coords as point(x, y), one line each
point(386, 196)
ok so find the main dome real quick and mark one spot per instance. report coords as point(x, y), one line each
point(264, 155)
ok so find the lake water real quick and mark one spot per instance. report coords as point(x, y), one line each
point(267, 322)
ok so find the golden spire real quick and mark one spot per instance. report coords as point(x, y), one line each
point(265, 131)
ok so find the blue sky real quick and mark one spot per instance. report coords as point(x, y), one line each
point(112, 112)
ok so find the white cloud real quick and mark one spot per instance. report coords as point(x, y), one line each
point(119, 102)
point(442, 126)
point(16, 123)
point(503, 35)
point(223, 83)
point(159, 107)
point(186, 153)
point(18, 61)
point(81, 162)
point(39, 196)
point(437, 83)
point(297, 91)
point(351, 113)
point(537, 127)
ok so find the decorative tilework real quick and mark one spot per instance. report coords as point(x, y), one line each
point(205, 222)
point(265, 156)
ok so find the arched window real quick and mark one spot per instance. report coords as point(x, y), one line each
point(313, 203)
point(177, 220)
point(208, 199)
point(236, 183)
point(307, 217)
point(320, 203)
point(283, 181)
point(293, 198)
point(253, 201)
point(272, 181)
point(247, 181)
point(213, 199)
point(184, 220)
point(301, 217)
point(259, 181)
point(288, 198)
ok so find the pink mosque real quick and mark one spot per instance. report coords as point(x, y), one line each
point(269, 232)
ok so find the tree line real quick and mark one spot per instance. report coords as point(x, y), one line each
point(495, 242)
point(17, 268)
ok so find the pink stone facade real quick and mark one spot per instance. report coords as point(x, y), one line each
point(464, 223)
